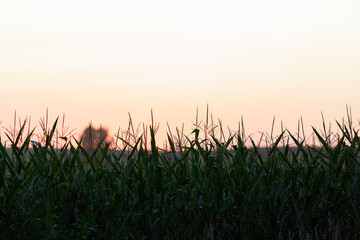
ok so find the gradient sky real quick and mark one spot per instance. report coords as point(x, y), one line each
point(98, 60)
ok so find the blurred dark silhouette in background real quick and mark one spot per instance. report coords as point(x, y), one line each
point(92, 137)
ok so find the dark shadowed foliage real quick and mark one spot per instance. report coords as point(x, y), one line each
point(199, 188)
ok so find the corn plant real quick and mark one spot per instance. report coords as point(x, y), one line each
point(204, 185)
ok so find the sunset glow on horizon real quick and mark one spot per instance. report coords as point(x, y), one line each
point(99, 61)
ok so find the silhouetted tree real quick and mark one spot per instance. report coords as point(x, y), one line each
point(91, 137)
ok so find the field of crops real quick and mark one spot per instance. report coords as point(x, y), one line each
point(201, 186)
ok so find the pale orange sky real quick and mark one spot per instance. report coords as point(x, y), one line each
point(96, 61)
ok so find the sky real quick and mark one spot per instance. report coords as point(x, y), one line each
point(101, 60)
